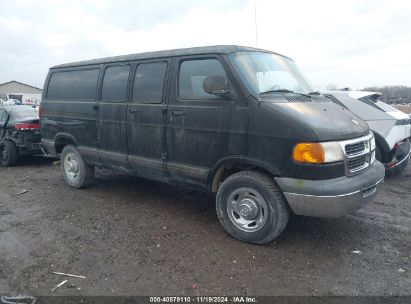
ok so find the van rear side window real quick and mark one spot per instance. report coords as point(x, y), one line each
point(73, 85)
point(115, 83)
point(149, 82)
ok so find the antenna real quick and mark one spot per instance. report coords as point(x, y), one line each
point(255, 23)
point(256, 45)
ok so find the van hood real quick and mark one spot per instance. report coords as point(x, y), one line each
point(326, 120)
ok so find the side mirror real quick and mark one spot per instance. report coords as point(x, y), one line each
point(216, 85)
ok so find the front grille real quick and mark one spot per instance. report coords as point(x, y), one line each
point(358, 154)
point(355, 163)
point(403, 122)
point(354, 148)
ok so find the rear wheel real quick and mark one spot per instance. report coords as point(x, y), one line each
point(251, 207)
point(75, 171)
point(8, 153)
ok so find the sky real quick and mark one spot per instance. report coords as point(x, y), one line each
point(346, 43)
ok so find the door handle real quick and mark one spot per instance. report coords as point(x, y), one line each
point(178, 113)
point(96, 107)
point(131, 111)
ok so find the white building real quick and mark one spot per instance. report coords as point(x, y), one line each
point(27, 94)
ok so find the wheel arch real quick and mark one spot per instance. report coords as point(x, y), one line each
point(384, 147)
point(229, 165)
point(63, 139)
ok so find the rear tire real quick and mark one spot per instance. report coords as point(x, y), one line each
point(75, 171)
point(251, 207)
point(8, 153)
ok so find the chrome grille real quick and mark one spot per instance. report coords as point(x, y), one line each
point(354, 148)
point(355, 163)
point(359, 153)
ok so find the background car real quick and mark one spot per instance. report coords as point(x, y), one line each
point(391, 127)
point(19, 133)
point(10, 101)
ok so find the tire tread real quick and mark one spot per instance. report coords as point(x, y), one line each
point(88, 174)
point(12, 153)
point(274, 191)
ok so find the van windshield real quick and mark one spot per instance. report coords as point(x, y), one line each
point(267, 73)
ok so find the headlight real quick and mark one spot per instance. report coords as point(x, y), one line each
point(318, 153)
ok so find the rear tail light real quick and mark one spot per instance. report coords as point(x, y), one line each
point(26, 126)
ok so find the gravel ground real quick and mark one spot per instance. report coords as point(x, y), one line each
point(131, 236)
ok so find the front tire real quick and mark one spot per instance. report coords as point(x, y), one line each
point(8, 153)
point(397, 169)
point(251, 207)
point(389, 171)
point(75, 171)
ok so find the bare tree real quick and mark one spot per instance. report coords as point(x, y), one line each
point(392, 94)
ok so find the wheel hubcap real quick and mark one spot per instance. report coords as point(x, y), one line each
point(71, 166)
point(247, 209)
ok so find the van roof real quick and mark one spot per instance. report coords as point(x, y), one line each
point(215, 49)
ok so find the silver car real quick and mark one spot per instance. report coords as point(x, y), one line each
point(391, 127)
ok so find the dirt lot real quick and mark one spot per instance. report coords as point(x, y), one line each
point(130, 236)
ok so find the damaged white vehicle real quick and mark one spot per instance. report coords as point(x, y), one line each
point(391, 127)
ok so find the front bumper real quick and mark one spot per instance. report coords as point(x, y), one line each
point(332, 197)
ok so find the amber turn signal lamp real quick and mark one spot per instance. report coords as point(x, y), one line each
point(312, 153)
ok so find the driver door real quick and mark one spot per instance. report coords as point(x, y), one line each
point(201, 128)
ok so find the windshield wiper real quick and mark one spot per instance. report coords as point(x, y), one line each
point(284, 91)
point(314, 93)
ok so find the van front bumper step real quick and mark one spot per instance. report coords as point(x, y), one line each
point(332, 197)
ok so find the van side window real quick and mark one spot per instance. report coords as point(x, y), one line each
point(76, 84)
point(149, 82)
point(115, 83)
point(192, 75)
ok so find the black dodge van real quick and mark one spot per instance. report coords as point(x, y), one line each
point(238, 121)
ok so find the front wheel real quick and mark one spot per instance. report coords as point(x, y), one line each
point(397, 169)
point(75, 171)
point(251, 207)
point(390, 171)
